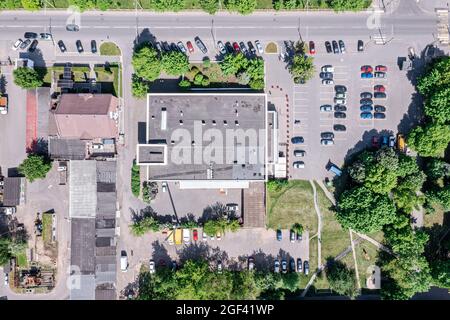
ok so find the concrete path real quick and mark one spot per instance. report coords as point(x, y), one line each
point(319, 224)
point(354, 258)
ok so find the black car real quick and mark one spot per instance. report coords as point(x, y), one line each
point(94, 46)
point(25, 44)
point(62, 46)
point(174, 265)
point(366, 95)
point(243, 48)
point(30, 35)
point(379, 115)
point(341, 46)
point(229, 47)
point(326, 75)
point(379, 108)
point(327, 135)
point(79, 46)
point(299, 265)
point(328, 47)
point(339, 127)
point(33, 46)
point(173, 47)
point(72, 27)
point(360, 45)
point(335, 47)
point(251, 47)
point(200, 45)
point(340, 88)
point(379, 95)
point(292, 264)
point(366, 101)
point(340, 115)
point(340, 108)
point(166, 46)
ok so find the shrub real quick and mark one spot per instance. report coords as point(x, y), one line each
point(198, 79)
point(205, 82)
point(184, 83)
point(135, 180)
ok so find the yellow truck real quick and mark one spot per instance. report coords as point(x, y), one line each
point(401, 143)
point(178, 236)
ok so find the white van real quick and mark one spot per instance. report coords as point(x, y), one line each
point(186, 236)
point(123, 261)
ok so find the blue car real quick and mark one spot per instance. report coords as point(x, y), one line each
point(366, 115)
point(384, 140)
point(279, 235)
point(297, 140)
point(366, 108)
point(366, 75)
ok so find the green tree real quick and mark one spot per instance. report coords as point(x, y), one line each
point(32, 4)
point(184, 83)
point(440, 271)
point(135, 180)
point(436, 77)
point(149, 191)
point(435, 168)
point(277, 4)
point(144, 225)
point(302, 68)
point(105, 4)
point(27, 78)
point(34, 167)
point(363, 210)
point(175, 63)
point(341, 279)
point(5, 254)
point(231, 64)
point(168, 5)
point(429, 140)
point(198, 79)
point(440, 196)
point(290, 4)
point(210, 6)
point(139, 87)
point(242, 6)
point(297, 227)
point(10, 4)
point(83, 5)
point(436, 106)
point(146, 63)
point(352, 5)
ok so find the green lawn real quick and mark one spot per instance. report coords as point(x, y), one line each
point(109, 77)
point(22, 260)
point(436, 217)
point(109, 49)
point(366, 255)
point(292, 203)
point(47, 228)
point(214, 73)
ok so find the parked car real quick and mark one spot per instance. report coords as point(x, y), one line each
point(279, 235)
point(379, 115)
point(221, 47)
point(327, 135)
point(6, 280)
point(174, 47)
point(340, 88)
point(186, 236)
point(276, 266)
point(312, 47)
point(33, 46)
point(17, 44)
point(297, 140)
point(174, 265)
point(166, 46)
point(326, 75)
point(159, 47)
point(366, 101)
point(365, 95)
point(201, 45)
point(72, 27)
point(284, 266)
point(292, 235)
point(340, 108)
point(306, 267)
point(335, 47)
point(379, 88)
point(366, 115)
point(25, 44)
point(366, 69)
point(195, 234)
point(236, 47)
point(243, 48)
point(340, 95)
point(30, 35)
point(339, 127)
point(190, 47)
point(360, 45)
point(384, 140)
point(381, 68)
point(292, 265)
point(181, 47)
point(299, 265)
point(391, 141)
point(219, 267)
point(366, 75)
point(375, 142)
point(379, 95)
point(327, 68)
point(341, 46)
point(380, 75)
point(299, 236)
point(79, 46)
point(259, 47)
point(45, 36)
point(366, 108)
point(298, 165)
point(151, 266)
point(379, 108)
point(340, 115)
point(327, 81)
point(93, 46)
point(62, 46)
point(326, 108)
point(326, 142)
point(340, 100)
point(328, 47)
point(299, 153)
point(251, 47)
point(251, 263)
point(229, 48)
point(123, 261)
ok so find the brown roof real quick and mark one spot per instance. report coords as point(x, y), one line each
point(86, 116)
point(254, 204)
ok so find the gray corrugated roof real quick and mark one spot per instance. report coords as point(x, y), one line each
point(86, 289)
point(105, 294)
point(83, 189)
point(83, 245)
point(67, 149)
point(11, 192)
point(43, 99)
point(105, 232)
point(106, 171)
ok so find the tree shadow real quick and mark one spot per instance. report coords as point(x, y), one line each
point(39, 146)
point(193, 251)
point(144, 38)
point(213, 212)
point(160, 254)
point(150, 212)
point(3, 84)
point(37, 57)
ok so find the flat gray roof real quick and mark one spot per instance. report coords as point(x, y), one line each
point(151, 154)
point(67, 149)
point(83, 189)
point(175, 120)
point(86, 290)
point(83, 245)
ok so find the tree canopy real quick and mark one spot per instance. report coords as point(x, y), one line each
point(168, 5)
point(83, 4)
point(32, 4)
point(139, 87)
point(352, 5)
point(341, 279)
point(210, 6)
point(436, 106)
point(302, 68)
point(242, 6)
point(27, 78)
point(146, 63)
point(34, 167)
point(429, 140)
point(175, 63)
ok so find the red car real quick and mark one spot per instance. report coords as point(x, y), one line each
point(381, 68)
point(190, 46)
point(375, 141)
point(236, 47)
point(195, 233)
point(366, 69)
point(379, 88)
point(312, 47)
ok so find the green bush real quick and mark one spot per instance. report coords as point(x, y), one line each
point(198, 79)
point(184, 83)
point(135, 180)
point(205, 82)
point(27, 78)
point(35, 167)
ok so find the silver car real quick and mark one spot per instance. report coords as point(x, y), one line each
point(326, 108)
point(276, 266)
point(326, 142)
point(259, 47)
point(221, 47)
point(181, 46)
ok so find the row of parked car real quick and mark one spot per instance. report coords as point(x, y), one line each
point(334, 46)
point(367, 72)
point(31, 41)
point(283, 266)
point(368, 109)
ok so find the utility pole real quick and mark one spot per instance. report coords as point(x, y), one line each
point(213, 32)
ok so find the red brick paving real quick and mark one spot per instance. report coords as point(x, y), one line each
point(31, 129)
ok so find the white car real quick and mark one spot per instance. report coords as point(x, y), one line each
point(6, 280)
point(326, 108)
point(204, 236)
point(299, 153)
point(259, 47)
point(327, 68)
point(299, 164)
point(164, 186)
point(151, 266)
point(17, 44)
point(221, 47)
point(186, 236)
point(340, 101)
point(123, 261)
point(327, 81)
point(326, 142)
